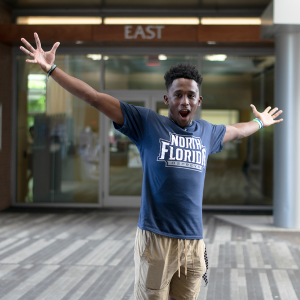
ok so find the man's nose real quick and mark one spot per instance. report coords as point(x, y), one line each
point(185, 100)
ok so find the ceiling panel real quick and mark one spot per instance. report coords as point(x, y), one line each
point(173, 4)
point(234, 3)
point(138, 4)
point(18, 4)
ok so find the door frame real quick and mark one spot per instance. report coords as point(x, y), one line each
point(149, 97)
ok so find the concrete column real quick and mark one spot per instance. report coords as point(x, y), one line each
point(287, 133)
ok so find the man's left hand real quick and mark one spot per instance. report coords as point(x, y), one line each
point(268, 116)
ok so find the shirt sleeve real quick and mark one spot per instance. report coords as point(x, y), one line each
point(135, 118)
point(216, 141)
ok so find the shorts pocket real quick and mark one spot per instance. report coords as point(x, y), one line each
point(199, 261)
point(154, 264)
point(141, 242)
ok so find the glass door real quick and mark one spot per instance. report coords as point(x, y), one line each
point(241, 174)
point(123, 165)
point(58, 141)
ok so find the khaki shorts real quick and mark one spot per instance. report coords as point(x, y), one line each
point(167, 266)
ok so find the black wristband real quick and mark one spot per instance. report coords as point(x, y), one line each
point(50, 71)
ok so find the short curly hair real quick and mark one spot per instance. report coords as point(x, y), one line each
point(182, 70)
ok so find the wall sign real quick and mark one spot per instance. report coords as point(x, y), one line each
point(140, 33)
point(145, 32)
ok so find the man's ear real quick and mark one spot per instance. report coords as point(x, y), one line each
point(200, 100)
point(166, 99)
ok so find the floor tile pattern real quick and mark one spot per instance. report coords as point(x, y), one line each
point(90, 256)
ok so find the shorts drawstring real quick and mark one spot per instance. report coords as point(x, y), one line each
point(185, 250)
point(179, 259)
point(185, 259)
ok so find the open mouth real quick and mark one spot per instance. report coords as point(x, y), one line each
point(184, 113)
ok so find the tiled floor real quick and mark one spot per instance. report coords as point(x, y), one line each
point(89, 255)
point(255, 223)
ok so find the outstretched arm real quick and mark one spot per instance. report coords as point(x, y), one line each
point(241, 130)
point(108, 105)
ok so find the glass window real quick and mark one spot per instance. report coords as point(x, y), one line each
point(59, 142)
point(58, 135)
point(241, 173)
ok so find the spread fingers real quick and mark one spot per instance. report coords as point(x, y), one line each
point(37, 41)
point(28, 46)
point(267, 109)
point(277, 114)
point(32, 61)
point(26, 51)
point(278, 121)
point(273, 111)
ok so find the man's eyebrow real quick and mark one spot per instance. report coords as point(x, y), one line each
point(180, 91)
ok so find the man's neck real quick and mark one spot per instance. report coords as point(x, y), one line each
point(191, 121)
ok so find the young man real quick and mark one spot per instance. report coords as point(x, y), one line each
point(174, 153)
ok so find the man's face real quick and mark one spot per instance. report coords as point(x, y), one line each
point(183, 99)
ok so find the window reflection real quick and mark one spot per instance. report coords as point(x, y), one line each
point(58, 135)
point(240, 174)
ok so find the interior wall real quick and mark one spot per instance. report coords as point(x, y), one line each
point(6, 101)
point(5, 14)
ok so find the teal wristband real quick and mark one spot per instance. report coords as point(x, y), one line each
point(50, 71)
point(259, 122)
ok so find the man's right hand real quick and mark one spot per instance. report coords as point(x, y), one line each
point(44, 59)
point(108, 105)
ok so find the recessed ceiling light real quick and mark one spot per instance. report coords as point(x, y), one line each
point(230, 21)
point(216, 57)
point(58, 20)
point(94, 56)
point(162, 57)
point(151, 21)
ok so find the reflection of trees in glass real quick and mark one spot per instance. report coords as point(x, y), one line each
point(36, 96)
point(30, 122)
point(36, 84)
point(37, 105)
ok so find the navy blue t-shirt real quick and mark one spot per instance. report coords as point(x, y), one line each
point(174, 164)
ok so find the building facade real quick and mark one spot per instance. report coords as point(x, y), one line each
point(58, 151)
